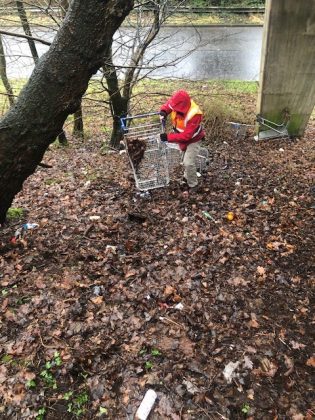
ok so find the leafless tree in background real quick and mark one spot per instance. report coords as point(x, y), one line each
point(136, 52)
point(27, 29)
point(3, 74)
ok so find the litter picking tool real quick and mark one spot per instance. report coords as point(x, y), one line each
point(275, 131)
point(152, 161)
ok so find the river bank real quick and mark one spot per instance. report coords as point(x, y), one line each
point(11, 19)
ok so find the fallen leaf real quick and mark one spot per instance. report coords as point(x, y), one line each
point(186, 346)
point(130, 273)
point(4, 304)
point(297, 346)
point(250, 394)
point(3, 374)
point(176, 298)
point(311, 362)
point(166, 409)
point(268, 368)
point(168, 291)
point(191, 388)
point(229, 371)
point(238, 281)
point(166, 344)
point(97, 300)
point(251, 349)
point(28, 376)
point(274, 246)
point(248, 363)
point(289, 364)
point(253, 322)
point(261, 271)
point(223, 260)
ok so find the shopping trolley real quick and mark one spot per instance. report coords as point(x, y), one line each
point(239, 129)
point(155, 161)
point(275, 131)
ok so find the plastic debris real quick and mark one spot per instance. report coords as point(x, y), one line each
point(144, 194)
point(208, 216)
point(30, 226)
point(94, 218)
point(97, 290)
point(191, 388)
point(111, 248)
point(229, 371)
point(146, 405)
point(179, 306)
point(230, 216)
point(20, 232)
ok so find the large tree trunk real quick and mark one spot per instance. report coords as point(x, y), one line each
point(55, 89)
point(3, 74)
point(27, 30)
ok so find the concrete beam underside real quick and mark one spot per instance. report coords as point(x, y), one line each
point(287, 76)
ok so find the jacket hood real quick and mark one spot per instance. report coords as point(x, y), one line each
point(180, 101)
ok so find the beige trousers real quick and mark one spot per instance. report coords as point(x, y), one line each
point(189, 162)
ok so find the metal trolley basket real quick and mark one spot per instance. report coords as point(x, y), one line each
point(159, 159)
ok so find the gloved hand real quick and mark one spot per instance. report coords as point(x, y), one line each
point(163, 137)
point(163, 116)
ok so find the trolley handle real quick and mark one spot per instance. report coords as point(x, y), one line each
point(268, 123)
point(123, 120)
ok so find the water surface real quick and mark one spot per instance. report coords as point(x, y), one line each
point(209, 52)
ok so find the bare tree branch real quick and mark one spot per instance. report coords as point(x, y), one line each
point(14, 34)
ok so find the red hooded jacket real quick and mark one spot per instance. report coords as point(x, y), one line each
point(180, 102)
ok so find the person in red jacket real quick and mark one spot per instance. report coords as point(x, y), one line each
point(188, 132)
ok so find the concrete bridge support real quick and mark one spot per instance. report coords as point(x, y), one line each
point(287, 77)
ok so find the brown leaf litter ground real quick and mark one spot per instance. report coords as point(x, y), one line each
point(117, 292)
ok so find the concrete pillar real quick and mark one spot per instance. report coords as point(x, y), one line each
point(287, 76)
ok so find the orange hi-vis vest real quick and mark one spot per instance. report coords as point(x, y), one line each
point(179, 122)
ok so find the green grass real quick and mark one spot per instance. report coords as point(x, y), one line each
point(202, 19)
point(225, 3)
point(237, 86)
point(230, 98)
